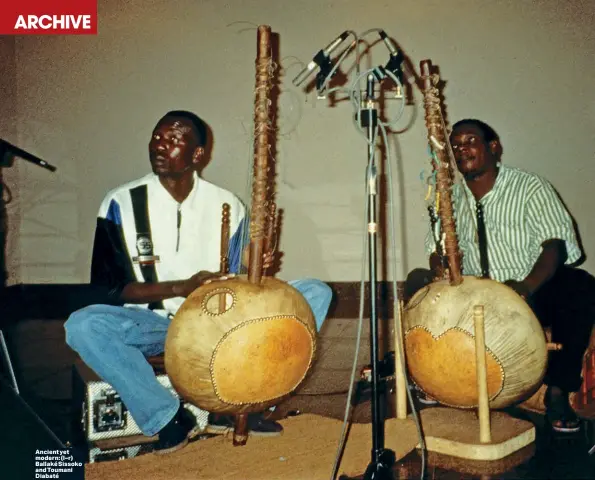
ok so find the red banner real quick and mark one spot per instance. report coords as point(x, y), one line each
point(48, 17)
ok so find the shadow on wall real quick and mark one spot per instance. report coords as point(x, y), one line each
point(4, 199)
point(341, 79)
point(209, 146)
point(49, 231)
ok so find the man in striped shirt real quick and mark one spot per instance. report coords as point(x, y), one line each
point(512, 227)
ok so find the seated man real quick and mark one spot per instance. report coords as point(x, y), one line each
point(529, 244)
point(174, 214)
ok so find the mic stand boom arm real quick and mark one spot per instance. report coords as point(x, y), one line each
point(8, 149)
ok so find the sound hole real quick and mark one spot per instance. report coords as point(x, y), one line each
point(219, 301)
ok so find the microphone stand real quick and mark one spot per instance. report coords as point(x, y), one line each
point(380, 467)
point(382, 459)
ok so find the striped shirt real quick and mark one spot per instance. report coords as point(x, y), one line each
point(521, 212)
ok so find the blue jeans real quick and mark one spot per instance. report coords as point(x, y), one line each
point(114, 341)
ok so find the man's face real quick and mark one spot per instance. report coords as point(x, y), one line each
point(473, 154)
point(173, 148)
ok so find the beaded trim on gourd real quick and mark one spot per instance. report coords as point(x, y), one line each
point(211, 294)
point(243, 324)
point(498, 361)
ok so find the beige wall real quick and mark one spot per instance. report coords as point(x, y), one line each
point(88, 104)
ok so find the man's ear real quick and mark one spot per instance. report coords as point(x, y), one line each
point(495, 147)
point(198, 154)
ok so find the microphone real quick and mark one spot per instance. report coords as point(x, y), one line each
point(395, 62)
point(7, 148)
point(321, 59)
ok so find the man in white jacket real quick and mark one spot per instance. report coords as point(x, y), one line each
point(157, 240)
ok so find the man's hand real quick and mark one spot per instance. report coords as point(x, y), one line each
point(268, 259)
point(437, 266)
point(519, 287)
point(553, 255)
point(198, 280)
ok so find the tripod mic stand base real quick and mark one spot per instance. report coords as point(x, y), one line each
point(381, 470)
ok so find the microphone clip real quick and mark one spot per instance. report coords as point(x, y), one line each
point(379, 73)
point(394, 65)
point(325, 66)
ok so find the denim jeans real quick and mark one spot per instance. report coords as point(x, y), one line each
point(114, 341)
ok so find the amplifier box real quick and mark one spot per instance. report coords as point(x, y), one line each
point(100, 414)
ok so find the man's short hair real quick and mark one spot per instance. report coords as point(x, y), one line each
point(197, 123)
point(488, 132)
